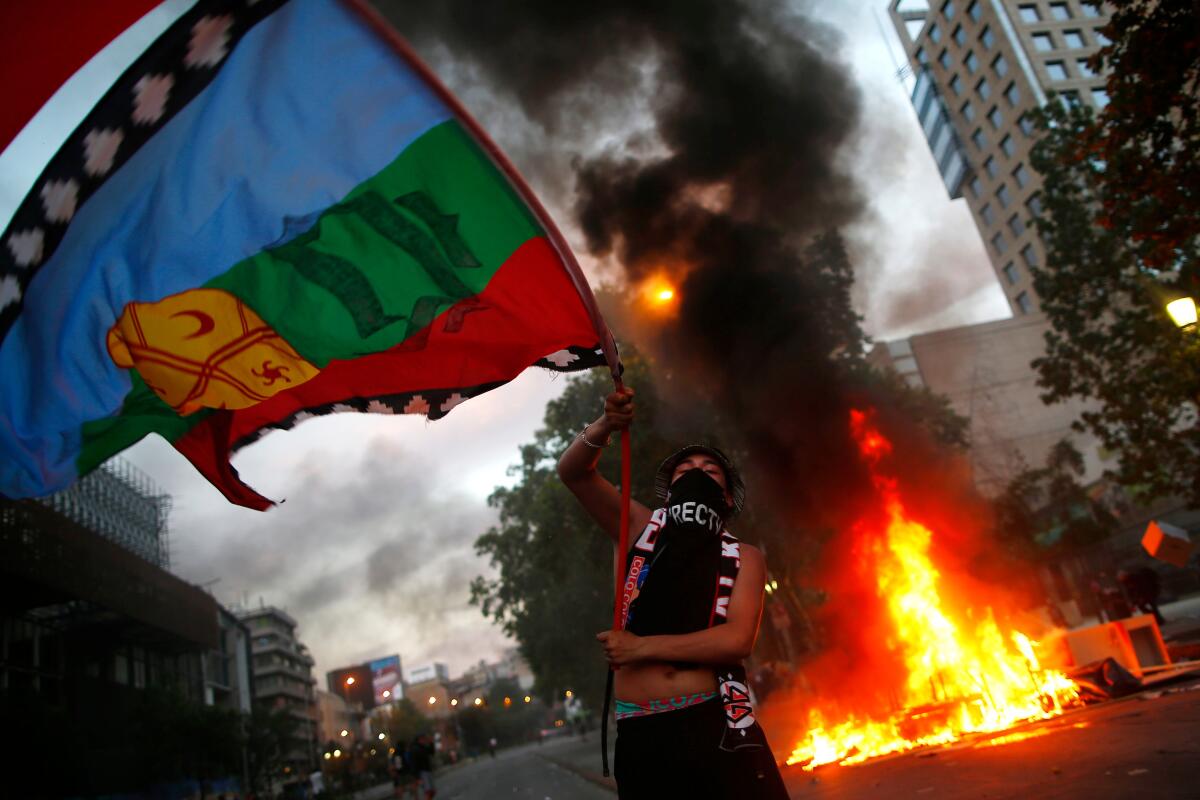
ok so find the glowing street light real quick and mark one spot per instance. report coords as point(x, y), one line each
point(337, 753)
point(350, 681)
point(1183, 312)
point(508, 701)
point(432, 699)
point(454, 701)
point(382, 736)
point(328, 756)
point(478, 701)
point(528, 699)
point(570, 694)
point(387, 693)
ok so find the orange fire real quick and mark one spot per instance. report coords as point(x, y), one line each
point(961, 676)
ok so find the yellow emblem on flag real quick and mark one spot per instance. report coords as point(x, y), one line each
point(204, 348)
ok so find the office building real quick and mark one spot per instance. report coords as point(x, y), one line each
point(983, 370)
point(980, 67)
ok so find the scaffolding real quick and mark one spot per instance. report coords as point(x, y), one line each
point(121, 503)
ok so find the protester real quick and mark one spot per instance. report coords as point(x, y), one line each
point(685, 726)
point(420, 760)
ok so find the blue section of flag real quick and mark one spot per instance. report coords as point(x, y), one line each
point(310, 104)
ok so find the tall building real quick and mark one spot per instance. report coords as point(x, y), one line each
point(283, 678)
point(981, 66)
point(228, 677)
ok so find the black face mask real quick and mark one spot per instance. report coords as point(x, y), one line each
point(696, 504)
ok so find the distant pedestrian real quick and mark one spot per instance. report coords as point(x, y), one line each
point(403, 779)
point(492, 747)
point(421, 764)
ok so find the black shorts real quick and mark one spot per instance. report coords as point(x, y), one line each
point(677, 754)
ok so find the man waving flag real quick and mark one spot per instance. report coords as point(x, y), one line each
point(275, 212)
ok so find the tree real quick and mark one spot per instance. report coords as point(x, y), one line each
point(1046, 511)
point(1121, 226)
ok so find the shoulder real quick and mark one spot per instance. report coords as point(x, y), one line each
point(751, 554)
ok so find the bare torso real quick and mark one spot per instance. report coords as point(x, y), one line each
point(657, 680)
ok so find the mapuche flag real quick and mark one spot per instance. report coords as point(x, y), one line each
point(274, 213)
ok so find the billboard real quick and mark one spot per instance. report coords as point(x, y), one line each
point(385, 679)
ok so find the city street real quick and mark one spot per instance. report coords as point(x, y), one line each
point(538, 772)
point(1145, 746)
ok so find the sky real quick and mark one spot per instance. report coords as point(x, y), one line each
point(372, 549)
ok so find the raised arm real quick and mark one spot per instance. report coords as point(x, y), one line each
point(720, 644)
point(577, 468)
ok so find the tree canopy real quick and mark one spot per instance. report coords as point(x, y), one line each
point(1121, 228)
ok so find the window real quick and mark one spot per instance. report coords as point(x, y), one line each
point(987, 214)
point(982, 89)
point(1010, 273)
point(1016, 225)
point(944, 59)
point(972, 62)
point(1043, 42)
point(1026, 123)
point(1029, 255)
point(960, 36)
point(975, 186)
point(948, 9)
point(1057, 70)
point(987, 38)
point(998, 243)
point(1021, 176)
point(990, 167)
point(1024, 303)
point(1084, 70)
point(1013, 95)
point(1069, 98)
point(1008, 146)
point(1090, 10)
point(1074, 40)
point(979, 139)
point(1000, 66)
point(1059, 11)
point(973, 11)
point(935, 34)
point(1034, 204)
point(1101, 39)
point(995, 118)
point(1003, 197)
point(956, 84)
point(922, 56)
point(968, 111)
point(1029, 14)
point(1099, 98)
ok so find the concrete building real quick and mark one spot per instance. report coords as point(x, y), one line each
point(228, 677)
point(980, 66)
point(983, 370)
point(283, 677)
point(335, 715)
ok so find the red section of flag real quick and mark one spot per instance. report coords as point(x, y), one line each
point(528, 310)
point(45, 42)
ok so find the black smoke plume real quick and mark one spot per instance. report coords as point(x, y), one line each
point(728, 179)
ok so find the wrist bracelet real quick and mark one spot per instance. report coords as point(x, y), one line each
point(583, 435)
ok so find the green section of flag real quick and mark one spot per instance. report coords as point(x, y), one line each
point(142, 413)
point(429, 230)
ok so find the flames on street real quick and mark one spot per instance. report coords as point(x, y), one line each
point(964, 674)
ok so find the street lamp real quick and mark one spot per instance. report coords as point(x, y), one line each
point(1183, 312)
point(345, 732)
point(432, 699)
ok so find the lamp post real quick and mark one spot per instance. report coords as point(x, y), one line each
point(1183, 313)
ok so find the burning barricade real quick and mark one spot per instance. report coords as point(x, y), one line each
point(953, 670)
